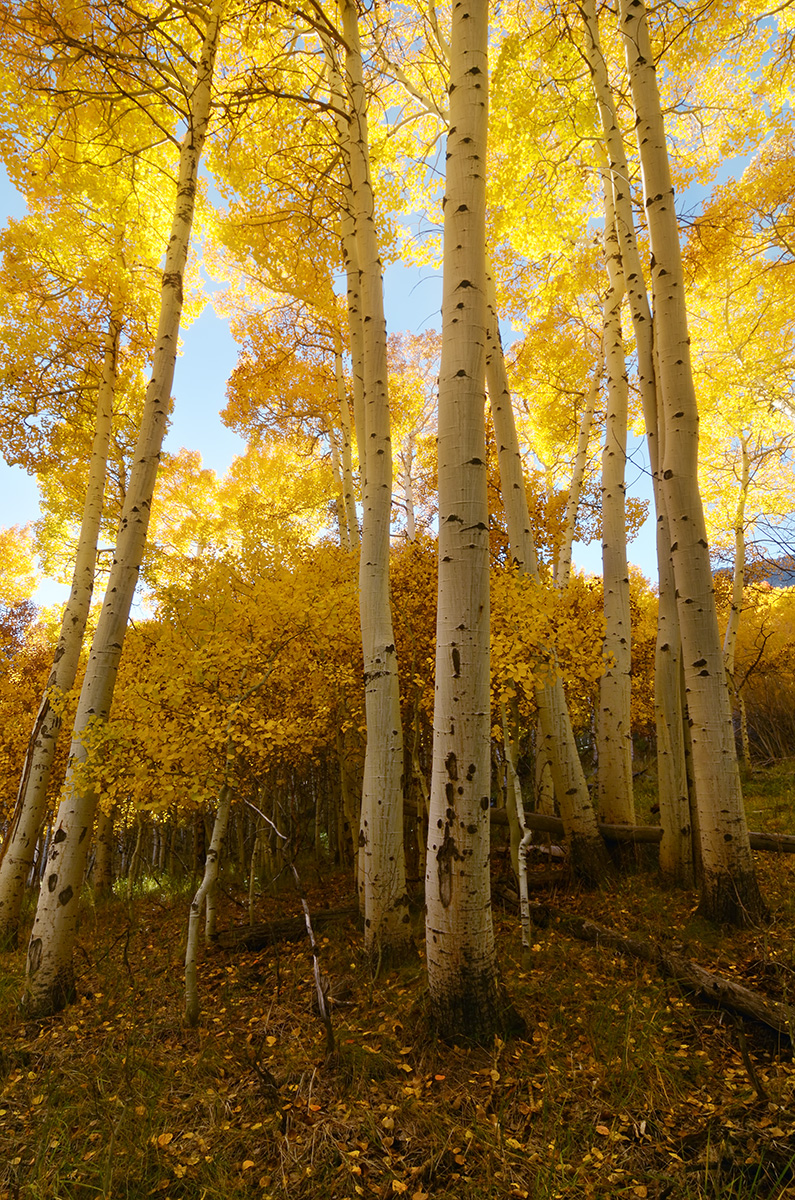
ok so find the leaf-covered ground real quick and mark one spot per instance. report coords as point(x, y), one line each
point(621, 1087)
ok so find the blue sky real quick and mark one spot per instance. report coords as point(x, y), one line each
point(412, 301)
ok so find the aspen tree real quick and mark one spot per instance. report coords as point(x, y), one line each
point(50, 976)
point(340, 510)
point(557, 743)
point(350, 256)
point(614, 735)
point(19, 845)
point(459, 933)
point(676, 852)
point(382, 867)
point(729, 891)
point(562, 572)
point(738, 588)
point(589, 857)
point(344, 413)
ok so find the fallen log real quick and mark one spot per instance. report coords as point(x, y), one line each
point(287, 929)
point(780, 843)
point(725, 993)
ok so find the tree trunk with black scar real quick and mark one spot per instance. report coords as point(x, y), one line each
point(50, 978)
point(459, 934)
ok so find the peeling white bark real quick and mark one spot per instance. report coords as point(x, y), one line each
point(350, 254)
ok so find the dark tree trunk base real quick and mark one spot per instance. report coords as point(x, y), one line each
point(732, 900)
point(590, 861)
point(61, 993)
point(474, 1012)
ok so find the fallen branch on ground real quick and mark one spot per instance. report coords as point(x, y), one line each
point(725, 993)
point(780, 843)
point(288, 929)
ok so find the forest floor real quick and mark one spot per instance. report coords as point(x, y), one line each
point(621, 1087)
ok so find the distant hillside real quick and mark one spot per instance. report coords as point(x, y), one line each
point(779, 572)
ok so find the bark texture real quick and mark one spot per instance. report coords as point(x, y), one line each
point(728, 887)
point(350, 256)
point(459, 933)
point(50, 978)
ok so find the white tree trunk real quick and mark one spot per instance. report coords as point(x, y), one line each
point(738, 575)
point(676, 848)
point(407, 483)
point(729, 889)
point(203, 897)
point(20, 842)
point(614, 734)
point(336, 474)
point(386, 919)
point(562, 572)
point(459, 934)
point(348, 492)
point(738, 588)
point(556, 738)
point(350, 254)
point(542, 783)
point(50, 980)
point(521, 836)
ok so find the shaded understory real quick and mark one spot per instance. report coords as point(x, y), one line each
point(621, 1086)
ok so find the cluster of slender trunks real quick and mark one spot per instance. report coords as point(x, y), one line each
point(698, 775)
